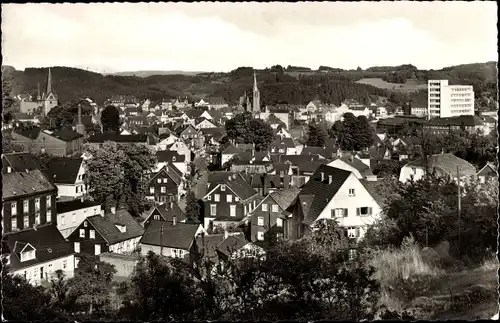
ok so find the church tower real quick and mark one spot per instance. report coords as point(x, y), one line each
point(49, 98)
point(256, 96)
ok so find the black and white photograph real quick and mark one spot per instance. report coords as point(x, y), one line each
point(248, 161)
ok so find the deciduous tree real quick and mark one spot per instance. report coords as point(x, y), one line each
point(316, 135)
point(244, 128)
point(110, 119)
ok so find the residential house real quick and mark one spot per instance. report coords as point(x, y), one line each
point(270, 216)
point(26, 117)
point(358, 111)
point(68, 174)
point(201, 123)
point(166, 140)
point(445, 165)
point(18, 162)
point(99, 139)
point(37, 253)
point(170, 239)
point(71, 213)
point(131, 112)
point(169, 212)
point(28, 200)
point(381, 112)
point(354, 165)
point(190, 116)
point(302, 166)
point(201, 103)
point(165, 185)
point(283, 146)
point(116, 231)
point(216, 103)
point(488, 172)
point(215, 116)
point(227, 151)
point(165, 157)
point(283, 133)
point(326, 152)
point(419, 111)
point(64, 142)
point(181, 103)
point(138, 121)
point(189, 133)
point(213, 135)
point(334, 193)
point(269, 183)
point(181, 148)
point(230, 198)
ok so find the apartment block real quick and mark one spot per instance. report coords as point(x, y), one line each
point(445, 101)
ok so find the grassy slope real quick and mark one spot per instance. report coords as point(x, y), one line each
point(409, 86)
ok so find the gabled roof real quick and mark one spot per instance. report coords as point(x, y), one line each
point(161, 233)
point(465, 120)
point(215, 114)
point(167, 211)
point(66, 134)
point(105, 226)
point(488, 170)
point(47, 241)
point(68, 206)
point(287, 142)
point(20, 162)
point(305, 164)
point(16, 185)
point(234, 181)
point(29, 133)
point(229, 148)
point(448, 163)
point(320, 191)
point(363, 169)
point(168, 156)
point(284, 198)
point(172, 173)
point(232, 244)
point(64, 170)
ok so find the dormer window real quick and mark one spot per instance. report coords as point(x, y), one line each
point(120, 227)
point(28, 253)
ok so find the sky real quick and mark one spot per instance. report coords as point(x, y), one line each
point(204, 36)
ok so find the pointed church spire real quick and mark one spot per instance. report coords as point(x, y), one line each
point(49, 83)
point(38, 97)
point(255, 82)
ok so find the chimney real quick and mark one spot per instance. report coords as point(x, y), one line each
point(113, 209)
point(174, 220)
point(330, 179)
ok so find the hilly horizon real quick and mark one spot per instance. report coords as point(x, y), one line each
point(292, 85)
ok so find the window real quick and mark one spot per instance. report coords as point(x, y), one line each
point(28, 255)
point(25, 206)
point(223, 187)
point(216, 197)
point(264, 207)
point(260, 236)
point(65, 264)
point(163, 189)
point(352, 254)
point(92, 234)
point(26, 222)
point(82, 233)
point(260, 221)
point(275, 208)
point(13, 208)
point(97, 249)
point(363, 211)
point(48, 201)
point(37, 204)
point(229, 198)
point(282, 150)
point(279, 222)
point(14, 223)
point(165, 180)
point(63, 219)
point(37, 218)
point(151, 190)
point(77, 189)
point(77, 247)
point(351, 192)
point(413, 170)
point(156, 217)
point(213, 209)
point(351, 232)
point(232, 210)
point(74, 217)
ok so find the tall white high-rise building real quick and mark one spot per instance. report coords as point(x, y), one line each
point(445, 101)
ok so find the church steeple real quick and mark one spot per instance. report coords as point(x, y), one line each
point(49, 83)
point(256, 95)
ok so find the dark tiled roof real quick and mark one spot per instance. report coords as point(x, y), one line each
point(68, 206)
point(488, 170)
point(287, 142)
point(448, 163)
point(363, 169)
point(107, 229)
point(47, 241)
point(215, 114)
point(371, 187)
point(66, 134)
point(30, 133)
point(321, 191)
point(285, 197)
point(180, 236)
point(305, 164)
point(214, 132)
point(467, 121)
point(237, 183)
point(193, 113)
point(282, 167)
point(168, 211)
point(207, 245)
point(20, 162)
point(232, 244)
point(229, 148)
point(170, 172)
point(167, 156)
point(19, 184)
point(111, 136)
point(64, 170)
